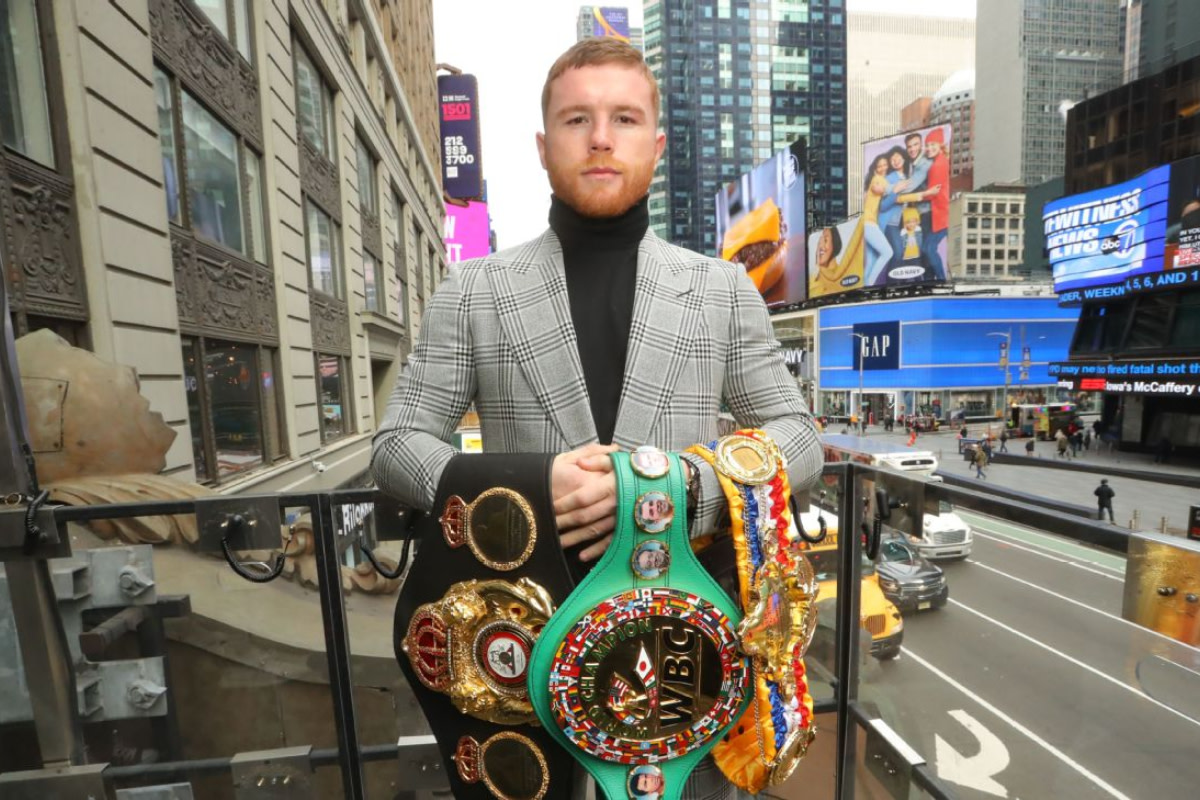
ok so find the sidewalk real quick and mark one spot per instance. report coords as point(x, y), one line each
point(1150, 500)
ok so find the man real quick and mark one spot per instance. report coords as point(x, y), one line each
point(981, 460)
point(1004, 440)
point(916, 182)
point(596, 335)
point(1104, 497)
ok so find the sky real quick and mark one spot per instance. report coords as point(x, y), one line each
point(509, 47)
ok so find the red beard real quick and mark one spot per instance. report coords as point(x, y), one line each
point(602, 200)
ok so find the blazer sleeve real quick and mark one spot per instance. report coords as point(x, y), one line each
point(432, 394)
point(761, 393)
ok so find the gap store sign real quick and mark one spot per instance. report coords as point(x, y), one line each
point(876, 345)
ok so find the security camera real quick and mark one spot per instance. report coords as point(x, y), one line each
point(319, 466)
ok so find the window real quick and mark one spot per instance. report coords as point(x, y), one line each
point(233, 407)
point(366, 179)
point(314, 105)
point(372, 283)
point(213, 176)
point(334, 410)
point(323, 263)
point(24, 110)
point(254, 193)
point(166, 141)
point(230, 16)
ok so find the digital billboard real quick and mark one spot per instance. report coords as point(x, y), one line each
point(760, 225)
point(1142, 234)
point(462, 167)
point(466, 231)
point(611, 22)
point(900, 237)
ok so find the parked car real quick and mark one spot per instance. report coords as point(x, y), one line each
point(907, 578)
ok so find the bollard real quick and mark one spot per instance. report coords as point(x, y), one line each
point(1162, 525)
point(1133, 522)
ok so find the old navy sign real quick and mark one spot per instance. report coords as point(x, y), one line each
point(876, 345)
point(462, 168)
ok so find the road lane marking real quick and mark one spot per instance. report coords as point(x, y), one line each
point(1082, 665)
point(977, 772)
point(1079, 603)
point(1055, 544)
point(1033, 737)
point(1009, 541)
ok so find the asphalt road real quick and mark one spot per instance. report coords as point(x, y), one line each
point(1030, 685)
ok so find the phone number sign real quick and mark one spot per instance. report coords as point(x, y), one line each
point(462, 170)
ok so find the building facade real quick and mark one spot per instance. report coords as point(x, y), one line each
point(987, 234)
point(1161, 33)
point(891, 59)
point(1115, 135)
point(740, 80)
point(235, 199)
point(1038, 58)
point(940, 356)
point(954, 105)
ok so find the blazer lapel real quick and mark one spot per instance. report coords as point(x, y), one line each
point(535, 315)
point(666, 313)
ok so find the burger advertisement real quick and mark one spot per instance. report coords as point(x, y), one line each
point(760, 225)
point(900, 237)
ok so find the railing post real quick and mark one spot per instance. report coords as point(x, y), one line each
point(337, 647)
point(848, 624)
point(49, 672)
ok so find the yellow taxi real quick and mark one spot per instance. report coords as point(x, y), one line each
point(878, 615)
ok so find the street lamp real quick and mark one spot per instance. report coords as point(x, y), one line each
point(862, 423)
point(1007, 374)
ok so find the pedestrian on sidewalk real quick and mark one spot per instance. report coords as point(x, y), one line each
point(1087, 440)
point(1029, 447)
point(1003, 441)
point(981, 460)
point(987, 449)
point(1104, 497)
point(1076, 443)
point(912, 436)
point(1062, 444)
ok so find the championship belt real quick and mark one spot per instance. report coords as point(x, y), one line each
point(488, 574)
point(638, 673)
point(778, 590)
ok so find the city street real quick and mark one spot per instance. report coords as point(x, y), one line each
point(1152, 500)
point(1027, 684)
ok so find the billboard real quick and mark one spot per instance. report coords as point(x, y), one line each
point(466, 231)
point(611, 22)
point(760, 225)
point(1179, 378)
point(876, 345)
point(900, 237)
point(462, 167)
point(1142, 234)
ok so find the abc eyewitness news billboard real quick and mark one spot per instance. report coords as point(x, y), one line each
point(901, 236)
point(1139, 235)
point(760, 225)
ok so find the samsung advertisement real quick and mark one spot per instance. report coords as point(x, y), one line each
point(1140, 235)
point(760, 225)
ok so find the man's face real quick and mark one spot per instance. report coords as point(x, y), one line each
point(601, 141)
point(914, 147)
point(649, 560)
point(647, 783)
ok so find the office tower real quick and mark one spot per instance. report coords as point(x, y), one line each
point(1161, 33)
point(1039, 58)
point(954, 105)
point(606, 21)
point(890, 60)
point(742, 79)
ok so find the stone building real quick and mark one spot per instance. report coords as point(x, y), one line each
point(240, 200)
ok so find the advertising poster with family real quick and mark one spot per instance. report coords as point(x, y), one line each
point(901, 236)
point(760, 225)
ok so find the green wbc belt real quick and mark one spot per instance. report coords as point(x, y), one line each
point(638, 673)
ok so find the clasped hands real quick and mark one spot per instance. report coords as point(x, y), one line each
point(585, 498)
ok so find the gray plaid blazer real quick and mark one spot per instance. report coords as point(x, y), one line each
point(498, 333)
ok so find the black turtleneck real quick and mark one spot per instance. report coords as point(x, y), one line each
point(600, 258)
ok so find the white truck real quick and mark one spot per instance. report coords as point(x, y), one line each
point(945, 534)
